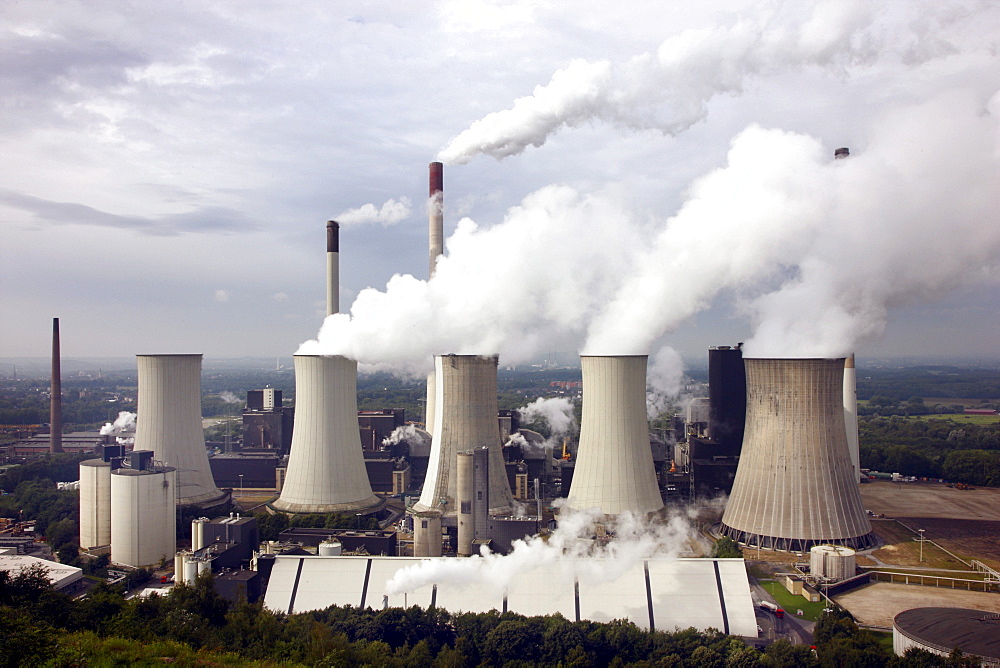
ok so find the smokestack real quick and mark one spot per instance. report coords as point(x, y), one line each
point(169, 424)
point(326, 467)
point(332, 267)
point(795, 486)
point(436, 236)
point(841, 153)
point(614, 466)
point(851, 414)
point(55, 401)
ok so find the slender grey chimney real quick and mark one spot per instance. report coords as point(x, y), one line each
point(841, 153)
point(436, 214)
point(55, 402)
point(332, 267)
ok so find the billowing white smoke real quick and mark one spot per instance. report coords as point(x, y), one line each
point(669, 90)
point(230, 397)
point(664, 381)
point(635, 539)
point(555, 413)
point(407, 433)
point(125, 422)
point(818, 250)
point(391, 212)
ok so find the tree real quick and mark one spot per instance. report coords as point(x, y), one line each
point(727, 548)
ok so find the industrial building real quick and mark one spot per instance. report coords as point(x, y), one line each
point(66, 579)
point(143, 511)
point(267, 424)
point(942, 630)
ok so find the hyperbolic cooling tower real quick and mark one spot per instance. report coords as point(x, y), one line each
point(326, 467)
point(169, 423)
point(465, 419)
point(614, 465)
point(795, 486)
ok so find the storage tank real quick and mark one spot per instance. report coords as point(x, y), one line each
point(465, 419)
point(326, 467)
point(143, 515)
point(198, 533)
point(179, 560)
point(330, 548)
point(190, 571)
point(795, 485)
point(95, 503)
point(976, 633)
point(832, 563)
point(427, 534)
point(614, 464)
point(168, 422)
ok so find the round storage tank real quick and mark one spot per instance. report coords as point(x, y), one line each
point(179, 559)
point(832, 562)
point(940, 630)
point(190, 571)
point(95, 503)
point(330, 548)
point(143, 516)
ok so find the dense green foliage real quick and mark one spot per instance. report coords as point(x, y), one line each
point(270, 526)
point(900, 383)
point(726, 548)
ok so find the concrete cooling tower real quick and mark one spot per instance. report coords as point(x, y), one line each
point(169, 424)
point(614, 465)
point(326, 467)
point(795, 486)
point(465, 419)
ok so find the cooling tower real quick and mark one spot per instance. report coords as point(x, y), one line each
point(332, 267)
point(95, 503)
point(614, 464)
point(851, 414)
point(326, 467)
point(169, 423)
point(795, 485)
point(466, 419)
point(143, 515)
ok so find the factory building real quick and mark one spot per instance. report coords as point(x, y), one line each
point(714, 424)
point(267, 425)
point(143, 510)
point(795, 486)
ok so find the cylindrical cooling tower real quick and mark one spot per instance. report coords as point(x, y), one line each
point(95, 503)
point(326, 467)
point(614, 465)
point(169, 423)
point(143, 515)
point(465, 419)
point(795, 485)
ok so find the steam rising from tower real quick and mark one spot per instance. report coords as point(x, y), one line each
point(614, 468)
point(795, 486)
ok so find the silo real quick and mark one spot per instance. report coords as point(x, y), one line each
point(95, 503)
point(465, 418)
point(326, 467)
point(614, 464)
point(143, 515)
point(330, 548)
point(795, 485)
point(198, 533)
point(427, 534)
point(832, 562)
point(169, 423)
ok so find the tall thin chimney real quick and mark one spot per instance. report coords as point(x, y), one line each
point(436, 227)
point(55, 403)
point(332, 267)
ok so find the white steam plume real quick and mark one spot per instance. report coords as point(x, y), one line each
point(408, 433)
point(635, 539)
point(555, 412)
point(664, 380)
point(123, 423)
point(229, 397)
point(669, 90)
point(391, 212)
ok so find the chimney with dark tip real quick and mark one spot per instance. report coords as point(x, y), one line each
point(842, 153)
point(55, 402)
point(436, 217)
point(332, 267)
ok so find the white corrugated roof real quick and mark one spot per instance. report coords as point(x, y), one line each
point(658, 592)
point(60, 575)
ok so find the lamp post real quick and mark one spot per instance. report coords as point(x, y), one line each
point(921, 539)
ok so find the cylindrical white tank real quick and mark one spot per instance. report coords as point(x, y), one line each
point(326, 467)
point(614, 467)
point(795, 486)
point(427, 534)
point(95, 503)
point(832, 562)
point(198, 533)
point(143, 512)
point(190, 571)
point(851, 414)
point(466, 521)
point(330, 548)
point(168, 422)
point(465, 418)
point(204, 566)
point(179, 559)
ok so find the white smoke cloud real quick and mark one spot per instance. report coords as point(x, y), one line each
point(555, 412)
point(221, 295)
point(125, 422)
point(391, 212)
point(664, 381)
point(635, 540)
point(230, 398)
point(408, 433)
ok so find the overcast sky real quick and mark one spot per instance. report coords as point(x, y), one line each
point(629, 175)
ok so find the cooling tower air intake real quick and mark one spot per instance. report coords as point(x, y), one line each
point(795, 486)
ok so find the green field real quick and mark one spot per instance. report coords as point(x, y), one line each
point(792, 603)
point(959, 418)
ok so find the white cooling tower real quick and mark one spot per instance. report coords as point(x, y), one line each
point(795, 486)
point(614, 464)
point(169, 423)
point(326, 467)
point(95, 503)
point(143, 515)
point(465, 419)
point(851, 414)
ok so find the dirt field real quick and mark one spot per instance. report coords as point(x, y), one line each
point(878, 603)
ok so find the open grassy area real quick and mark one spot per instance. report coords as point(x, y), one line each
point(902, 549)
point(958, 418)
point(792, 603)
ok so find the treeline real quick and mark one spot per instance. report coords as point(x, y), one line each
point(931, 448)
point(194, 625)
point(929, 381)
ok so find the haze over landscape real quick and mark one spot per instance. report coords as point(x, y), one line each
point(618, 178)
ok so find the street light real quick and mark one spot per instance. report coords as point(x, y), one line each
point(921, 539)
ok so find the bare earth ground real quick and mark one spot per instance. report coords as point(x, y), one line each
point(876, 604)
